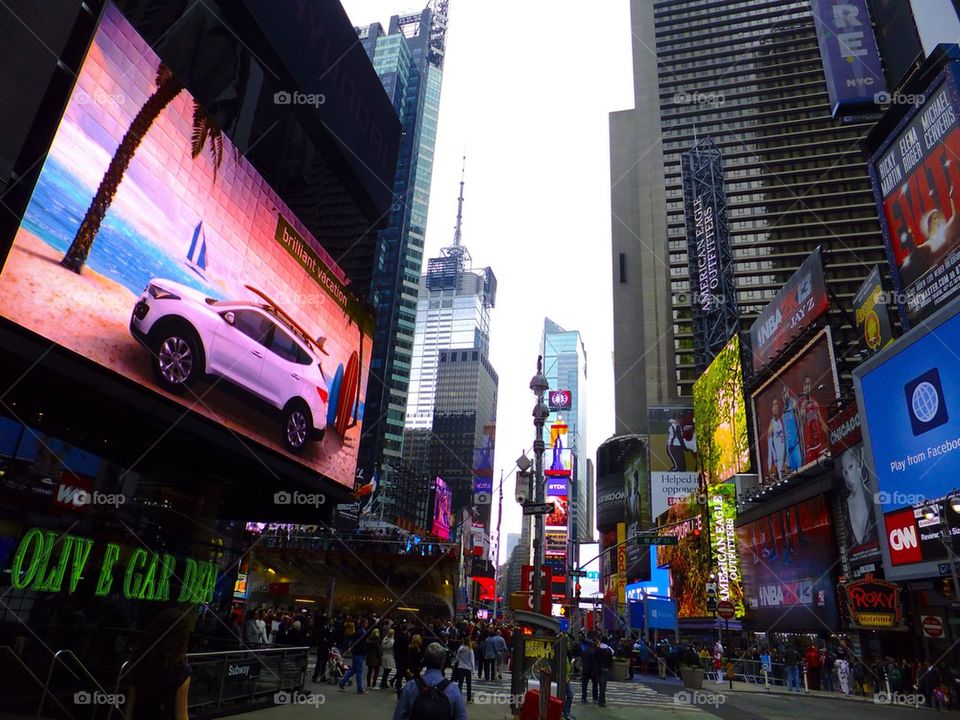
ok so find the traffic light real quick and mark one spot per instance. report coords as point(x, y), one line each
point(947, 587)
point(711, 597)
point(564, 611)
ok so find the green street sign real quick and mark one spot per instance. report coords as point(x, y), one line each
point(656, 540)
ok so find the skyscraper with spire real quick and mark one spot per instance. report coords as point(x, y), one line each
point(408, 57)
point(451, 408)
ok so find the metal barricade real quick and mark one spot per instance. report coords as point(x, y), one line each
point(229, 680)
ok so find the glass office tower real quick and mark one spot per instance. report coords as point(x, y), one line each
point(409, 60)
point(565, 367)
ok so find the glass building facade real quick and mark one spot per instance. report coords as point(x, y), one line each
point(749, 75)
point(565, 367)
point(408, 57)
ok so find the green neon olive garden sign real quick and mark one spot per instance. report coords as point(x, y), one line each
point(47, 562)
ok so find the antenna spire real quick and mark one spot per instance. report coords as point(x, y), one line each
point(457, 234)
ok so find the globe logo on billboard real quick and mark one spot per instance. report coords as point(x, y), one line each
point(925, 402)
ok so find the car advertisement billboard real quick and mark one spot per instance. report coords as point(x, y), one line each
point(153, 248)
point(442, 509)
point(790, 412)
point(872, 315)
point(909, 399)
point(787, 559)
point(916, 184)
point(801, 300)
point(721, 416)
point(851, 59)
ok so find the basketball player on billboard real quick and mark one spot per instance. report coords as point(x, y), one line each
point(815, 430)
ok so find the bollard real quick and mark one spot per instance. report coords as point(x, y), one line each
point(806, 686)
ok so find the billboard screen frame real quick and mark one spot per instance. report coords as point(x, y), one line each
point(923, 568)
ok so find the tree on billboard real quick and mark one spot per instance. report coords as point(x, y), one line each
point(205, 132)
point(720, 415)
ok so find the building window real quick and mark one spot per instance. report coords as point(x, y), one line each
point(623, 268)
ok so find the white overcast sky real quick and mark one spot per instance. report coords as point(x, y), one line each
point(527, 89)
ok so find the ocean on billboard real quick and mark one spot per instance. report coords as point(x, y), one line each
point(120, 253)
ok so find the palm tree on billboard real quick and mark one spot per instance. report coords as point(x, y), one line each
point(205, 132)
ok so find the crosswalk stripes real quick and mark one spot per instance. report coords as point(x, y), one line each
point(620, 694)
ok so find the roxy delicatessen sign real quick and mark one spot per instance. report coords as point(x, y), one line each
point(874, 603)
point(45, 561)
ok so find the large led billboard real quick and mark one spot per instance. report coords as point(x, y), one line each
point(862, 543)
point(790, 412)
point(637, 512)
point(801, 300)
point(721, 416)
point(689, 559)
point(916, 184)
point(787, 559)
point(442, 509)
point(909, 399)
point(151, 247)
point(673, 456)
point(722, 511)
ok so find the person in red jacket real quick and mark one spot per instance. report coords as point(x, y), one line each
point(812, 658)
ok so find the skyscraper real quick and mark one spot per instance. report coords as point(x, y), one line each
point(565, 367)
point(795, 178)
point(409, 60)
point(448, 387)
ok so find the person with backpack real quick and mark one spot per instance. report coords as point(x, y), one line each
point(603, 660)
point(431, 696)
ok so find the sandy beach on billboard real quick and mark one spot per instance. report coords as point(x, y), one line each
point(90, 315)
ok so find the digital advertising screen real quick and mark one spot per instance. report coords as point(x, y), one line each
point(153, 248)
point(721, 416)
point(637, 512)
point(483, 466)
point(802, 299)
point(690, 559)
point(909, 399)
point(871, 315)
point(442, 509)
point(673, 456)
point(722, 511)
point(859, 490)
point(916, 184)
point(790, 412)
point(787, 561)
point(558, 460)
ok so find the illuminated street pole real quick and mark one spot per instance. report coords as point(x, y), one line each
point(539, 386)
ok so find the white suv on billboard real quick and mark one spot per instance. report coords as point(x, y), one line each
point(253, 345)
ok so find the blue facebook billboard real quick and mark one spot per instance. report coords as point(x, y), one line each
point(909, 397)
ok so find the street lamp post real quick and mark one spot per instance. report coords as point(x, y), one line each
point(953, 500)
point(539, 386)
